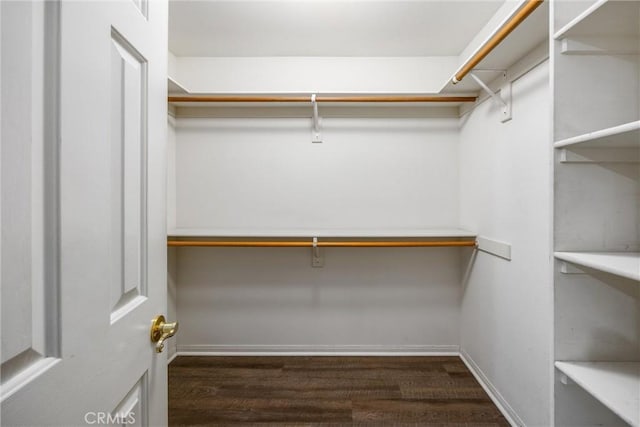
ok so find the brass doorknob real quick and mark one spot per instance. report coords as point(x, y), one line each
point(161, 331)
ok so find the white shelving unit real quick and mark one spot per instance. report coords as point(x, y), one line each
point(623, 264)
point(596, 81)
point(615, 384)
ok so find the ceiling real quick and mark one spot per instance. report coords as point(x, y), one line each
point(229, 28)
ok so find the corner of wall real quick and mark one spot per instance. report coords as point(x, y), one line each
point(172, 65)
point(504, 192)
point(497, 398)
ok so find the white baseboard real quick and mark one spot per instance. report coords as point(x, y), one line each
point(173, 356)
point(317, 350)
point(492, 391)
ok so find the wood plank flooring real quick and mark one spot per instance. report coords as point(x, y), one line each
point(327, 391)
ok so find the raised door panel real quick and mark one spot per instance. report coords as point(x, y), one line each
point(133, 410)
point(128, 176)
point(27, 214)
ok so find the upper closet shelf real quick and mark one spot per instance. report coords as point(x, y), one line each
point(323, 238)
point(175, 88)
point(624, 264)
point(605, 18)
point(524, 30)
point(520, 14)
point(622, 136)
point(615, 384)
point(324, 232)
point(207, 100)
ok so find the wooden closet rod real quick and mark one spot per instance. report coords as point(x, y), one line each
point(498, 37)
point(335, 244)
point(321, 98)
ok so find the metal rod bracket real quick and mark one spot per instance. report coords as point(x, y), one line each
point(567, 268)
point(564, 379)
point(317, 258)
point(503, 100)
point(316, 135)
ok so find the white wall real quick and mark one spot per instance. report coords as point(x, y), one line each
point(172, 297)
point(505, 193)
point(566, 11)
point(314, 74)
point(172, 65)
point(265, 173)
point(171, 172)
point(270, 299)
point(172, 290)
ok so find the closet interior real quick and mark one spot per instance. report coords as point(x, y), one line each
point(478, 196)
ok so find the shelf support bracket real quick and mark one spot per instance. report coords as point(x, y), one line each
point(316, 135)
point(599, 155)
point(567, 268)
point(494, 247)
point(564, 379)
point(317, 259)
point(504, 101)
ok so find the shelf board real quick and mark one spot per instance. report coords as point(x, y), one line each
point(624, 264)
point(304, 101)
point(175, 88)
point(615, 384)
point(604, 18)
point(324, 233)
point(626, 135)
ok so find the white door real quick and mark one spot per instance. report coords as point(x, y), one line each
point(83, 211)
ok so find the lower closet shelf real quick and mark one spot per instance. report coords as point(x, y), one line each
point(624, 264)
point(615, 384)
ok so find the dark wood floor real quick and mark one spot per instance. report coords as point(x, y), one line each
point(324, 391)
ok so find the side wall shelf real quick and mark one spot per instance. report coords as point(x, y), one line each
point(624, 264)
point(623, 136)
point(615, 384)
point(601, 17)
